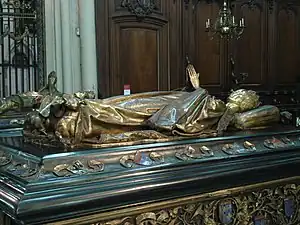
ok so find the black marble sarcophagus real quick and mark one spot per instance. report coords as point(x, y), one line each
point(248, 177)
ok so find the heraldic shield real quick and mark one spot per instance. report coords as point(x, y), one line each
point(226, 212)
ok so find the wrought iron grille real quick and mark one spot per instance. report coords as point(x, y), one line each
point(21, 46)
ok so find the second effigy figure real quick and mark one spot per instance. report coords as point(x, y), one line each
point(79, 120)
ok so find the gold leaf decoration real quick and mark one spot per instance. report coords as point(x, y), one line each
point(279, 205)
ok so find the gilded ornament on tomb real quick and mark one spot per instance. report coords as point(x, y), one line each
point(278, 205)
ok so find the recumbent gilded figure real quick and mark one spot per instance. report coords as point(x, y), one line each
point(78, 120)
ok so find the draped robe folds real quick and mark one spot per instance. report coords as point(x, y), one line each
point(146, 116)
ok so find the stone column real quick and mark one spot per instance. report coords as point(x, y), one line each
point(75, 45)
point(58, 45)
point(88, 45)
point(62, 43)
point(66, 46)
point(53, 39)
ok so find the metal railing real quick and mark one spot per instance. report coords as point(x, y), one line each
point(21, 46)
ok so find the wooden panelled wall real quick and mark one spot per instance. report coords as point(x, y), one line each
point(149, 52)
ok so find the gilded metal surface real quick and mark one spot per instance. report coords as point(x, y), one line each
point(194, 113)
point(267, 205)
point(225, 25)
point(79, 168)
point(249, 145)
point(78, 120)
point(193, 76)
point(259, 117)
point(237, 149)
point(141, 158)
point(275, 202)
point(123, 119)
point(147, 157)
point(242, 100)
point(30, 99)
point(157, 157)
point(190, 152)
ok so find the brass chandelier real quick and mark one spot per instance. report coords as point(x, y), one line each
point(225, 25)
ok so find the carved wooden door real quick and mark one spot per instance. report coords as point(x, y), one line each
point(138, 45)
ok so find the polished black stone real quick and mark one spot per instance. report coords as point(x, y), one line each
point(44, 198)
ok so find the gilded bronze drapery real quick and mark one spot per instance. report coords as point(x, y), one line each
point(79, 120)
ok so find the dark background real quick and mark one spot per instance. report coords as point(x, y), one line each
point(149, 53)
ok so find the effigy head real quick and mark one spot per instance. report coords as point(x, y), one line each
point(242, 100)
point(52, 78)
